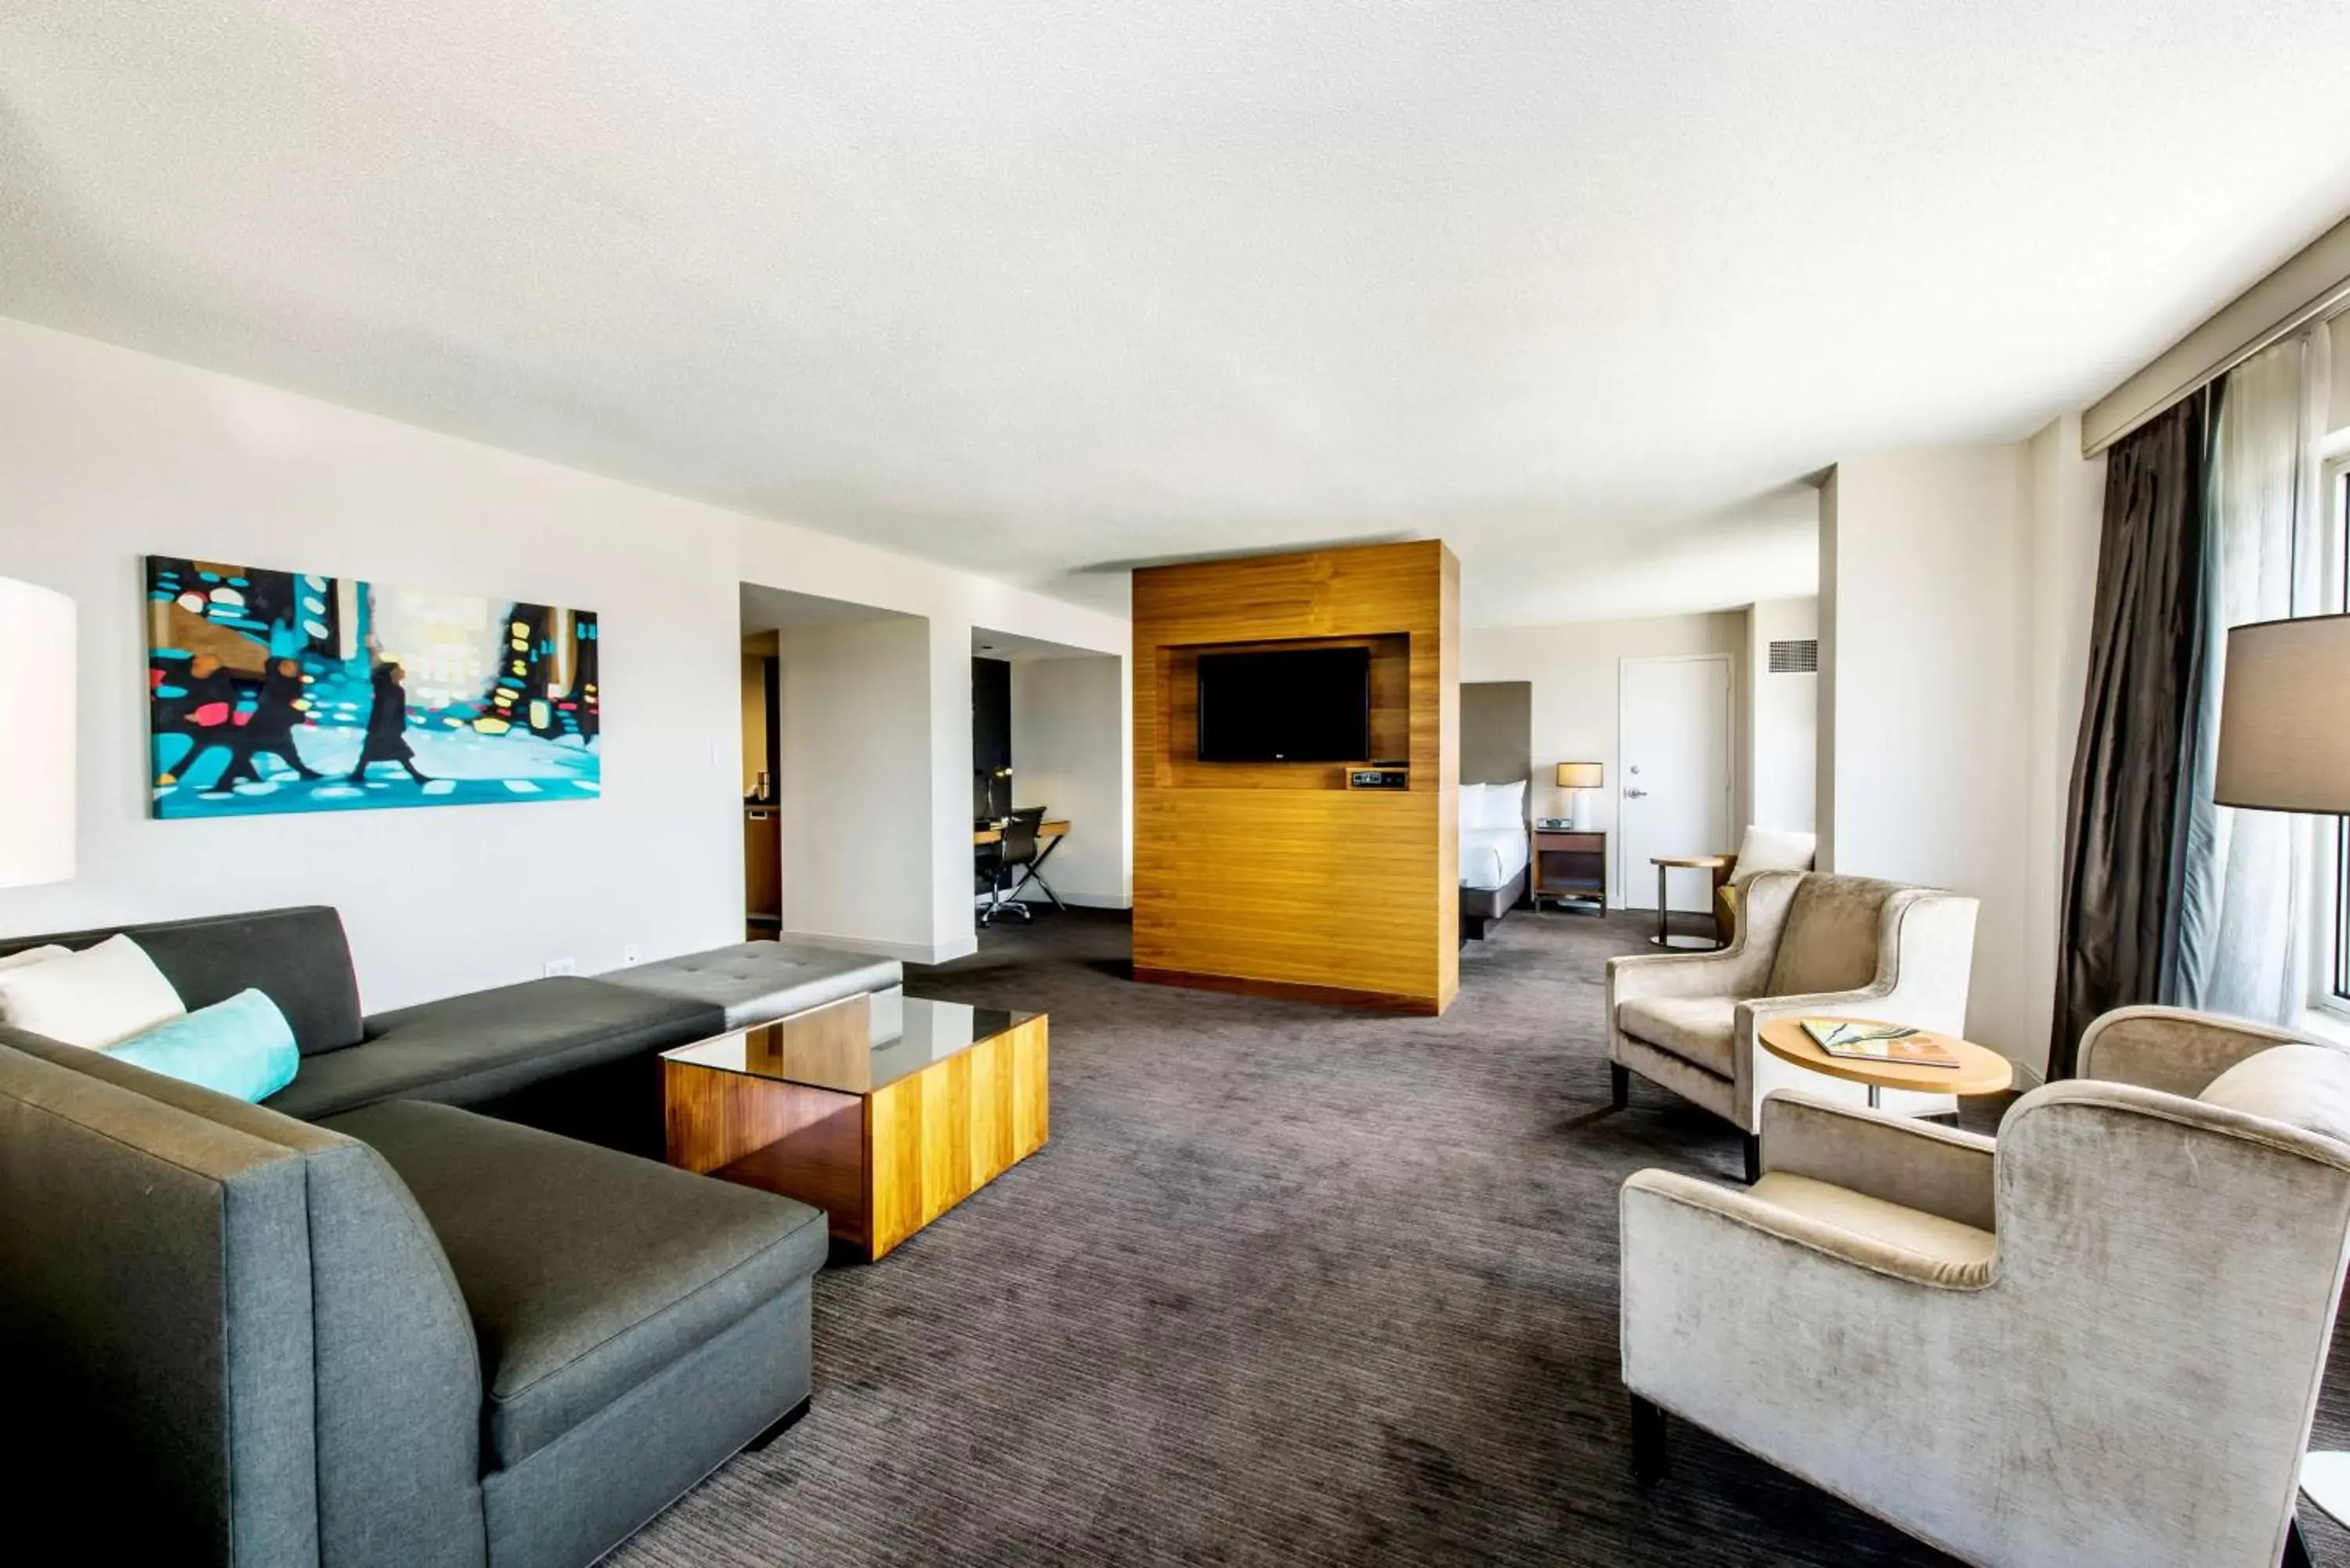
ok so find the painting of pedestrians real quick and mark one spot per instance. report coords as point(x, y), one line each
point(280, 692)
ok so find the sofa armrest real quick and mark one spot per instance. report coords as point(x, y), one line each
point(1734, 1211)
point(1729, 972)
point(1917, 1165)
point(2172, 1049)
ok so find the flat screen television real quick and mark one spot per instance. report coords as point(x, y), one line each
point(1297, 705)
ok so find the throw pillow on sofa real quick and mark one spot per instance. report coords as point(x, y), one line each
point(30, 956)
point(2305, 1085)
point(94, 997)
point(1770, 849)
point(243, 1046)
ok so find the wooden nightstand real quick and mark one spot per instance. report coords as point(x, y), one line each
point(1570, 868)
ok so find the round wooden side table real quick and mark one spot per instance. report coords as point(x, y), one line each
point(1665, 863)
point(1979, 1071)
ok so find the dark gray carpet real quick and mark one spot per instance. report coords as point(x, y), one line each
point(1290, 1284)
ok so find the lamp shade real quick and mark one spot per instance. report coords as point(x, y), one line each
point(2284, 716)
point(37, 734)
point(1579, 775)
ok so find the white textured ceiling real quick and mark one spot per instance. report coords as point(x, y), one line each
point(1046, 287)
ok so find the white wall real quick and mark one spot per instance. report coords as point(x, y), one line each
point(1782, 716)
point(1072, 754)
point(107, 455)
point(1932, 682)
point(1824, 774)
point(1574, 669)
point(855, 747)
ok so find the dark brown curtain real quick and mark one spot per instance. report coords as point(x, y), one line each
point(2124, 852)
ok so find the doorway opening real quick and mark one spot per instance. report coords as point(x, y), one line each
point(836, 718)
point(1051, 807)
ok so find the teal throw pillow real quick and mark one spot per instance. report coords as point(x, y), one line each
point(243, 1046)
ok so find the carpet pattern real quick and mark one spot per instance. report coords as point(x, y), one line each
point(1289, 1284)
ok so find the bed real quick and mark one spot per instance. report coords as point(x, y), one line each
point(1494, 854)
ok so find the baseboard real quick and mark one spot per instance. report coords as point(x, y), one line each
point(905, 952)
point(2028, 1077)
point(1290, 991)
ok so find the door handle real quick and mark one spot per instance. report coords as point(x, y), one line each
point(1636, 794)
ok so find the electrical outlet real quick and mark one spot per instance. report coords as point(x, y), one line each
point(562, 966)
point(631, 954)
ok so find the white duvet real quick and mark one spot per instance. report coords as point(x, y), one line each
point(1490, 856)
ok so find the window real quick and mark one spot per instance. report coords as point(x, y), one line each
point(2331, 994)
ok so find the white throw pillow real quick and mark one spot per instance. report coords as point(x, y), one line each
point(1473, 807)
point(94, 997)
point(1769, 850)
point(2304, 1085)
point(34, 955)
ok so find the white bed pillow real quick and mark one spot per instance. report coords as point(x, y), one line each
point(30, 956)
point(94, 997)
point(1485, 807)
point(1771, 849)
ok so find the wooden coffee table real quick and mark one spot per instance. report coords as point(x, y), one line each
point(884, 1110)
point(1979, 1071)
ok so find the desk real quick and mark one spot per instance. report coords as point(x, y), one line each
point(980, 835)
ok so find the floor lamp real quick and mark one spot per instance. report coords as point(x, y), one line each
point(2285, 745)
point(37, 734)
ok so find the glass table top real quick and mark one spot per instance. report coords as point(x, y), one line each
point(851, 1048)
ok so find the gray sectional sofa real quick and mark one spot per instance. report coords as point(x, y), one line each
point(363, 1324)
point(574, 1055)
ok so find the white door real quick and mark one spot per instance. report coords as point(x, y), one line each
point(1672, 784)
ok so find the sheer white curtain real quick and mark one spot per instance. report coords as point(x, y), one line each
point(2240, 905)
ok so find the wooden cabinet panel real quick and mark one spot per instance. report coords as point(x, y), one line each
point(1278, 874)
point(1030, 1095)
point(780, 1138)
point(943, 1135)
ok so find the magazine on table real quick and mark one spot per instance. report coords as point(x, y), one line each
point(1886, 1043)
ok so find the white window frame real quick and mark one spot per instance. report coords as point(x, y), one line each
point(2327, 881)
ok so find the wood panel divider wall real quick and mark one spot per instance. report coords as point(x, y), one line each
point(1274, 877)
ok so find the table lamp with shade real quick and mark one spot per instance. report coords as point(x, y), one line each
point(37, 734)
point(2285, 745)
point(1578, 780)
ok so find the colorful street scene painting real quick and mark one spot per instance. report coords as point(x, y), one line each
point(280, 692)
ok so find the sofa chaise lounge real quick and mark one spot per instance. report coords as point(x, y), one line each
point(361, 1323)
point(411, 1335)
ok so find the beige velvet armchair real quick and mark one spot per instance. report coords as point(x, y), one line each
point(2097, 1341)
point(1808, 942)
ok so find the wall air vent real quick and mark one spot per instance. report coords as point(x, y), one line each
point(1795, 655)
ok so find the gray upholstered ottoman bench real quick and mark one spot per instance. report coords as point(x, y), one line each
point(758, 982)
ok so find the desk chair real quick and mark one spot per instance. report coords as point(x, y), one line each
point(1016, 850)
point(1030, 863)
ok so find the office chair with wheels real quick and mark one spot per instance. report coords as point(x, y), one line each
point(1017, 851)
